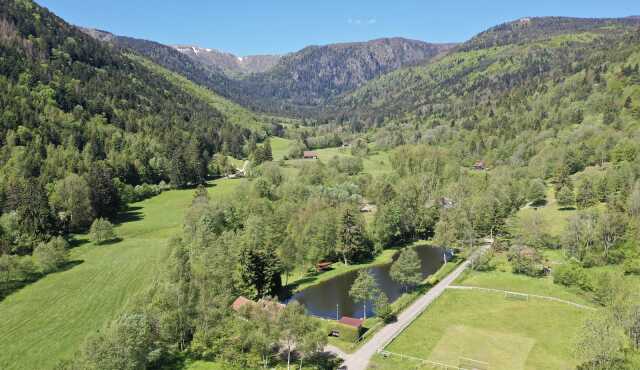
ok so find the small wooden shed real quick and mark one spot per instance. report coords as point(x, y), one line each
point(307, 154)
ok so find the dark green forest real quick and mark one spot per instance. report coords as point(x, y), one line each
point(80, 118)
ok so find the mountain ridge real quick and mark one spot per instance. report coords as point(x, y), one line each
point(230, 62)
point(298, 83)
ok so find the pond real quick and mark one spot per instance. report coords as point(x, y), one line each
point(330, 299)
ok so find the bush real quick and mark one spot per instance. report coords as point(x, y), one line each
point(50, 257)
point(383, 308)
point(632, 266)
point(525, 260)
point(605, 286)
point(485, 262)
point(131, 194)
point(101, 231)
point(348, 165)
point(536, 193)
point(572, 274)
point(8, 267)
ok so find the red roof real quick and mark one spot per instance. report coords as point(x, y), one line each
point(240, 302)
point(309, 154)
point(351, 321)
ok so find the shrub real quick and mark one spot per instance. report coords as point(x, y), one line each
point(8, 267)
point(101, 231)
point(525, 260)
point(572, 274)
point(565, 197)
point(605, 286)
point(383, 308)
point(632, 266)
point(485, 262)
point(51, 256)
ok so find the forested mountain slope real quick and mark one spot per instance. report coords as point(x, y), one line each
point(74, 107)
point(300, 82)
point(307, 78)
point(168, 57)
point(526, 54)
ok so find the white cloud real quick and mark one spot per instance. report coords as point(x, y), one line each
point(362, 21)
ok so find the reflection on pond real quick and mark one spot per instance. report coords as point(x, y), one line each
point(330, 299)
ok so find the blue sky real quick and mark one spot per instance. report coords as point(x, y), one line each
point(248, 27)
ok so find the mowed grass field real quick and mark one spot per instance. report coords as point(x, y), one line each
point(47, 321)
point(280, 147)
point(507, 334)
point(554, 218)
point(375, 163)
point(505, 280)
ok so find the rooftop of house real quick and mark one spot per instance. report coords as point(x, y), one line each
point(351, 321)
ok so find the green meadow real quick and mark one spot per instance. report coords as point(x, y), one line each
point(505, 333)
point(45, 322)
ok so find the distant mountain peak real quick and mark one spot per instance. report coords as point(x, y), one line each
point(229, 62)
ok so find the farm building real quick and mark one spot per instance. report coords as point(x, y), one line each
point(307, 154)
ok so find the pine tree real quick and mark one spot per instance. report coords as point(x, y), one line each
point(266, 148)
point(565, 197)
point(104, 194)
point(351, 237)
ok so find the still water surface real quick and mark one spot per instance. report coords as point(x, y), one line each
point(330, 299)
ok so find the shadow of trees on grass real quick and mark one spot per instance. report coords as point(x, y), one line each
point(9, 287)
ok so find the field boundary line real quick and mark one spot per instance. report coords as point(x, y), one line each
point(422, 360)
point(548, 298)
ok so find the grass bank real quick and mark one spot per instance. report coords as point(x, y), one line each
point(300, 280)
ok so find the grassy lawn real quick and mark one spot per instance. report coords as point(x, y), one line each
point(375, 163)
point(508, 334)
point(505, 280)
point(48, 320)
point(553, 217)
point(280, 147)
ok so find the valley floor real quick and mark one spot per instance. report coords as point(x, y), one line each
point(47, 321)
point(491, 328)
